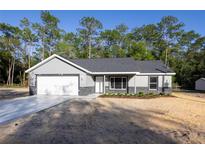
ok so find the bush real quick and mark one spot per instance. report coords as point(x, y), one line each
point(151, 94)
point(161, 94)
point(120, 94)
point(140, 94)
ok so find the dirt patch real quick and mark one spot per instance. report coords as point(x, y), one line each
point(9, 93)
point(112, 120)
point(194, 94)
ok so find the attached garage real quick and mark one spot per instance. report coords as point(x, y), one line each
point(57, 85)
point(58, 76)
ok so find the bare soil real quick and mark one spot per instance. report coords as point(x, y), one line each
point(195, 94)
point(9, 93)
point(179, 119)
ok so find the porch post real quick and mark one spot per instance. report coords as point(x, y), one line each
point(135, 84)
point(104, 84)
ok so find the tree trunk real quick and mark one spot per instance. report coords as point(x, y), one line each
point(13, 68)
point(166, 54)
point(89, 52)
point(43, 50)
point(20, 78)
point(29, 57)
point(24, 78)
point(9, 73)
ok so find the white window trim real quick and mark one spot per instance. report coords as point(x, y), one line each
point(121, 83)
point(153, 82)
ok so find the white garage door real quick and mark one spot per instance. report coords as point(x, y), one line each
point(57, 85)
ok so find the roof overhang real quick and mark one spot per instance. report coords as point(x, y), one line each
point(89, 72)
point(59, 57)
point(156, 74)
point(105, 73)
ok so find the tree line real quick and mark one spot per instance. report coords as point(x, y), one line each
point(29, 43)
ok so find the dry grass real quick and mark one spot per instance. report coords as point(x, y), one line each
point(9, 93)
point(177, 119)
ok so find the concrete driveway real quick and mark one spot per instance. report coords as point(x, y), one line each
point(14, 108)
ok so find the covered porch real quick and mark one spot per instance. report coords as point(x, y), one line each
point(114, 83)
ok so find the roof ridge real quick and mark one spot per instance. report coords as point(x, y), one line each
point(101, 58)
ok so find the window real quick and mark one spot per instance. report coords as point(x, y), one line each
point(119, 83)
point(153, 82)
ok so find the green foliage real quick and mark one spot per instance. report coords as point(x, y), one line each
point(138, 50)
point(166, 40)
point(140, 94)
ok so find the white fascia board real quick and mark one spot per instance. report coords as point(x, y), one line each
point(56, 56)
point(102, 73)
point(156, 74)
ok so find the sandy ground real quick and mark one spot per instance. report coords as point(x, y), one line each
point(179, 119)
point(8, 93)
point(195, 94)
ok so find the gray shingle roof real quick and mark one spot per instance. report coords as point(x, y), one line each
point(122, 65)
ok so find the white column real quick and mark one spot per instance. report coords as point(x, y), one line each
point(104, 84)
point(135, 84)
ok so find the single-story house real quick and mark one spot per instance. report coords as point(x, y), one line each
point(200, 84)
point(60, 76)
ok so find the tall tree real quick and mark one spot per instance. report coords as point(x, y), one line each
point(28, 39)
point(170, 30)
point(114, 41)
point(10, 44)
point(66, 46)
point(48, 33)
point(89, 30)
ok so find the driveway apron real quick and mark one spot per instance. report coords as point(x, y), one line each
point(18, 107)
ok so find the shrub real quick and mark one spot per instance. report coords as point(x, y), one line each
point(161, 94)
point(141, 94)
point(120, 94)
point(168, 94)
point(151, 94)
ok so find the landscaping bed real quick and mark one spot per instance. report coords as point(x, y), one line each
point(138, 95)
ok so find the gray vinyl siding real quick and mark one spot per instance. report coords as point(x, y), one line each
point(58, 67)
point(142, 84)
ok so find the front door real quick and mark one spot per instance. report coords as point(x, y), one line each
point(99, 84)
